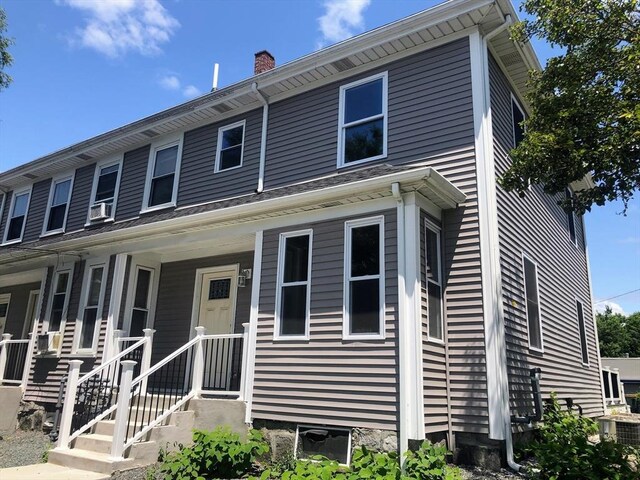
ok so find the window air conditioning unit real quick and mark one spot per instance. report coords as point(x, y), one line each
point(99, 211)
point(49, 342)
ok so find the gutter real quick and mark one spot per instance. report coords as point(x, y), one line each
point(263, 135)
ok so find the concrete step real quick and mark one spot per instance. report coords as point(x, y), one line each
point(94, 442)
point(49, 471)
point(87, 460)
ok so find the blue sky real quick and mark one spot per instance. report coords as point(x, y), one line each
point(83, 67)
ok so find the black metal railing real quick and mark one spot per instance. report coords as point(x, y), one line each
point(222, 363)
point(16, 358)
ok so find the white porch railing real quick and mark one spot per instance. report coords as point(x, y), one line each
point(207, 364)
point(94, 396)
point(15, 360)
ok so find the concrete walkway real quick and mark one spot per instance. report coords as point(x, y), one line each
point(48, 471)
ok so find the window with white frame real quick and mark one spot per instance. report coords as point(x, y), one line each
point(571, 217)
point(5, 298)
point(141, 301)
point(583, 333)
point(230, 146)
point(105, 189)
point(59, 197)
point(433, 263)
point(362, 131)
point(517, 117)
point(162, 176)
point(59, 300)
point(532, 300)
point(90, 312)
point(294, 284)
point(17, 216)
point(364, 278)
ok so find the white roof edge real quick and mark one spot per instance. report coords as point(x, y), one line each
point(436, 14)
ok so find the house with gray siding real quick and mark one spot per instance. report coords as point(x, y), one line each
point(323, 244)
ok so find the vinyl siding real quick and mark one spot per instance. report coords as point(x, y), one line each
point(199, 183)
point(18, 303)
point(175, 300)
point(79, 207)
point(132, 180)
point(327, 380)
point(47, 372)
point(37, 210)
point(537, 226)
point(429, 108)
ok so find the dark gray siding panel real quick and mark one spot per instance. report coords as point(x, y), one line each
point(327, 380)
point(430, 112)
point(79, 206)
point(537, 226)
point(175, 300)
point(199, 183)
point(18, 303)
point(134, 173)
point(37, 210)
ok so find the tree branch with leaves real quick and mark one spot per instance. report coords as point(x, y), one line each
point(6, 60)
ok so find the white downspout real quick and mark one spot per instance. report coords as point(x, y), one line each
point(405, 398)
point(263, 136)
point(508, 21)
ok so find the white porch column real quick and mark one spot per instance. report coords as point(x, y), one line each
point(69, 405)
point(253, 324)
point(198, 363)
point(3, 354)
point(145, 363)
point(115, 302)
point(122, 411)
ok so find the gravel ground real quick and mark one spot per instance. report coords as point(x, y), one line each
point(22, 448)
point(476, 473)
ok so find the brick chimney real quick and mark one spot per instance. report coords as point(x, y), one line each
point(264, 61)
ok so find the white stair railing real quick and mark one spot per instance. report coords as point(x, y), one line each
point(93, 396)
point(206, 365)
point(15, 360)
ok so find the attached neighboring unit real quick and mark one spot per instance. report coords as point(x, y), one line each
point(323, 245)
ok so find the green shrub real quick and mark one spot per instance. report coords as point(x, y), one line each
point(216, 454)
point(563, 451)
point(369, 464)
point(430, 463)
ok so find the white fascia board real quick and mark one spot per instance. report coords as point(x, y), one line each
point(412, 178)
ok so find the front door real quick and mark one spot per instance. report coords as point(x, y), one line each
point(218, 288)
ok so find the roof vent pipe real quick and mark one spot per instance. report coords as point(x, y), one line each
point(214, 85)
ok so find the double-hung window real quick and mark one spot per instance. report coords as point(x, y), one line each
point(433, 263)
point(583, 333)
point(364, 279)
point(362, 130)
point(17, 216)
point(59, 197)
point(91, 307)
point(230, 146)
point(59, 300)
point(141, 301)
point(532, 299)
point(162, 176)
point(571, 218)
point(294, 285)
point(517, 117)
point(105, 191)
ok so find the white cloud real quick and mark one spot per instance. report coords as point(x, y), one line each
point(615, 308)
point(191, 91)
point(341, 20)
point(631, 240)
point(170, 82)
point(116, 27)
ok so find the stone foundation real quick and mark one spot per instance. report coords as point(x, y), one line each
point(478, 450)
point(31, 416)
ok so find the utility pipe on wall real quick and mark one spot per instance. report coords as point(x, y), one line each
point(263, 136)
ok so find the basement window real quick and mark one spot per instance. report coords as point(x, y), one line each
point(332, 443)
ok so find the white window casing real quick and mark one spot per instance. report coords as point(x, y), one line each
point(106, 167)
point(517, 116)
point(533, 318)
point(14, 216)
point(283, 283)
point(220, 150)
point(153, 177)
point(344, 124)
point(582, 333)
point(349, 278)
point(91, 306)
point(58, 202)
point(434, 282)
point(58, 302)
point(5, 303)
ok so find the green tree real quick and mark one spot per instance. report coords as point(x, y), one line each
point(619, 335)
point(585, 103)
point(5, 57)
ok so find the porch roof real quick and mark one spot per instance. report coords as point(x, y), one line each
point(330, 191)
